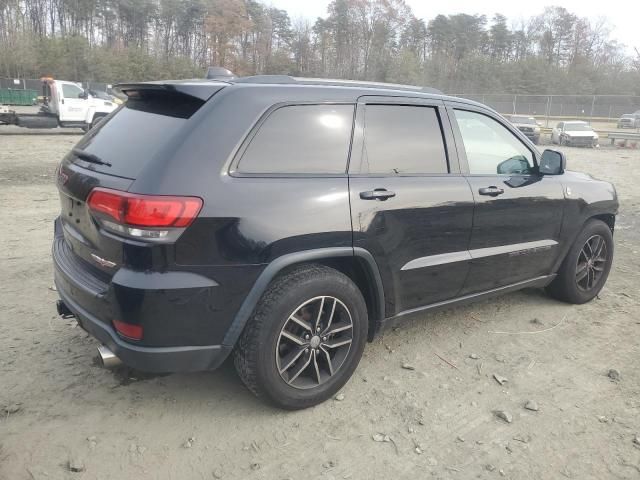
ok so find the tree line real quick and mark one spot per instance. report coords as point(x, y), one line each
point(379, 40)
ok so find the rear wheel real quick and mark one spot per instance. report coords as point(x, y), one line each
point(305, 338)
point(586, 267)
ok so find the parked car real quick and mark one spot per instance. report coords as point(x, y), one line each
point(527, 125)
point(629, 120)
point(288, 221)
point(574, 133)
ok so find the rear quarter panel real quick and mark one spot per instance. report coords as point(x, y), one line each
point(247, 220)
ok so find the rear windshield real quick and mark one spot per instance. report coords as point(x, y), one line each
point(137, 132)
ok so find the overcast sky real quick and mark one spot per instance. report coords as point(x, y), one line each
point(624, 16)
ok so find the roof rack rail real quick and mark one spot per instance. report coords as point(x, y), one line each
point(222, 74)
point(432, 90)
point(289, 80)
point(366, 84)
point(266, 79)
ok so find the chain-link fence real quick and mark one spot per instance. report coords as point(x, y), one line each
point(550, 108)
point(546, 108)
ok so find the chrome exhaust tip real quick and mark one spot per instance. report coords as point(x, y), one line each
point(107, 357)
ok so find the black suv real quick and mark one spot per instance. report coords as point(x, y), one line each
point(290, 220)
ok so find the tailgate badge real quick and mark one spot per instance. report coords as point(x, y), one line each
point(102, 261)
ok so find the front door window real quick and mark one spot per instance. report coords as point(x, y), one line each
point(491, 148)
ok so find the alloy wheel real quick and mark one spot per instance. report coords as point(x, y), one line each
point(314, 342)
point(591, 264)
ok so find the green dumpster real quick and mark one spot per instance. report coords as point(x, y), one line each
point(14, 96)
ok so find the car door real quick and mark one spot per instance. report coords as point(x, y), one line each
point(410, 206)
point(73, 107)
point(518, 214)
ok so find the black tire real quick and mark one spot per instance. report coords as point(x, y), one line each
point(258, 349)
point(97, 118)
point(565, 286)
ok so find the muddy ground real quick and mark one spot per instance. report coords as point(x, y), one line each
point(437, 421)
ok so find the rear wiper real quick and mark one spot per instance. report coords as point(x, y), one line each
point(89, 157)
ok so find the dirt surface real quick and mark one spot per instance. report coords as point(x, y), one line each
point(59, 410)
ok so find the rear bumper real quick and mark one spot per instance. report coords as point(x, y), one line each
point(179, 311)
point(148, 359)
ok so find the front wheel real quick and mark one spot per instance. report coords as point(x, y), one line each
point(97, 118)
point(586, 267)
point(305, 338)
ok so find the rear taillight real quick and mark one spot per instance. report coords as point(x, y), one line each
point(142, 216)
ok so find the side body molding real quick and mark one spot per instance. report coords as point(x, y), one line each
point(279, 263)
point(513, 249)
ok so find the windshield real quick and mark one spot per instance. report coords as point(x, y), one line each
point(577, 127)
point(527, 120)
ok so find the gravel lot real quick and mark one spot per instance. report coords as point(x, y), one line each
point(58, 409)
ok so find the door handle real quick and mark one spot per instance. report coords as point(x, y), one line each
point(491, 191)
point(377, 194)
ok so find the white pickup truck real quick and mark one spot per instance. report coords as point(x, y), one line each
point(66, 104)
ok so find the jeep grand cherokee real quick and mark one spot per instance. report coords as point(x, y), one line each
point(286, 221)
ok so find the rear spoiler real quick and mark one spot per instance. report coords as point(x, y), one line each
point(196, 89)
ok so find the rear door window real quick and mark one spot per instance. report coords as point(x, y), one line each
point(138, 131)
point(300, 139)
point(401, 140)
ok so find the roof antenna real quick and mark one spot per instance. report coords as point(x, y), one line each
point(219, 73)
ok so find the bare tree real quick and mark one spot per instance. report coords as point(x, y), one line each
point(111, 40)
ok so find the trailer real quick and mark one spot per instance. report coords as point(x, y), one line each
point(65, 105)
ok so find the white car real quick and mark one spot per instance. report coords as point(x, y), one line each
point(629, 120)
point(574, 133)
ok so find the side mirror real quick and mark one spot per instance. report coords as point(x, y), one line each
point(552, 162)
